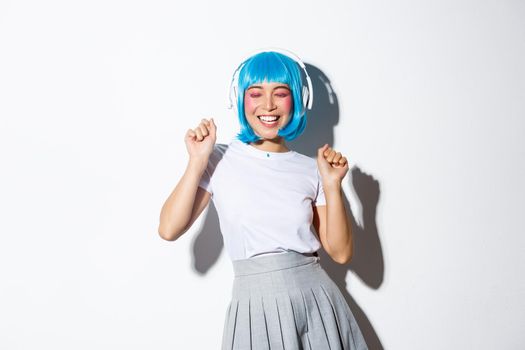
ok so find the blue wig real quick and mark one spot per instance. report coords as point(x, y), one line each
point(271, 67)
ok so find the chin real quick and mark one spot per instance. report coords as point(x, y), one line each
point(271, 137)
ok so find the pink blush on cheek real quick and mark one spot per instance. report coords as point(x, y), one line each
point(248, 102)
point(288, 103)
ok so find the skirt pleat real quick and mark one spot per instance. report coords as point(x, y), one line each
point(287, 302)
point(275, 336)
point(258, 324)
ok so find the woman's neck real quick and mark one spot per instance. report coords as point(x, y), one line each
point(275, 145)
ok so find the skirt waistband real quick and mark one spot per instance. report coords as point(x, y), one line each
point(272, 262)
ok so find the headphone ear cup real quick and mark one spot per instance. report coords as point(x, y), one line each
point(233, 97)
point(306, 96)
point(232, 93)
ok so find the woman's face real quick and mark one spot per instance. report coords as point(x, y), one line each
point(267, 107)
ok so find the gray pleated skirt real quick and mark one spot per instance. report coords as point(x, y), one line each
point(287, 301)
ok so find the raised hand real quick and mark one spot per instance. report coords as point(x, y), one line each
point(200, 141)
point(332, 165)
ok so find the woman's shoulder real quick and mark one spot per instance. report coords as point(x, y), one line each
point(219, 150)
point(307, 165)
point(307, 160)
point(220, 147)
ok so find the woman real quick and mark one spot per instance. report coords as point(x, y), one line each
point(267, 198)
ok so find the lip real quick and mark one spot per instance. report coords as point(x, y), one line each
point(272, 124)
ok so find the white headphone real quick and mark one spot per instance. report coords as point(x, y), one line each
point(308, 93)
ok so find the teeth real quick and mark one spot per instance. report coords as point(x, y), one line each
point(268, 118)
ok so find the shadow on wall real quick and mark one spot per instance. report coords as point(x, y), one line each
point(367, 262)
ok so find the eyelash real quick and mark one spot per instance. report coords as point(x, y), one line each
point(259, 95)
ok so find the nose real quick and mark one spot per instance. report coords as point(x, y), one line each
point(270, 103)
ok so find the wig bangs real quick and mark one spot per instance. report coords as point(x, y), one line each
point(265, 67)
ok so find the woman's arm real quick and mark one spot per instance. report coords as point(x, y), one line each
point(331, 221)
point(187, 201)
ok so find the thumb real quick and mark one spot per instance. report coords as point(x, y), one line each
point(320, 152)
point(213, 128)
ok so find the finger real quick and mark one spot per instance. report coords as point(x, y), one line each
point(190, 134)
point(207, 123)
point(330, 157)
point(321, 151)
point(204, 129)
point(198, 132)
point(327, 151)
point(213, 127)
point(343, 161)
point(337, 156)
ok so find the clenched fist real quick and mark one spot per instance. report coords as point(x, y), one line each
point(332, 165)
point(200, 141)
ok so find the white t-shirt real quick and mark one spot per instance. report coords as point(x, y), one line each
point(263, 199)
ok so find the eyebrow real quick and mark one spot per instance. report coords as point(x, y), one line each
point(260, 87)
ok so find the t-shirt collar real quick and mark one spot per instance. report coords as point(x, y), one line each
point(251, 150)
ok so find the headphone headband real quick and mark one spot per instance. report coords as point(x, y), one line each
point(308, 93)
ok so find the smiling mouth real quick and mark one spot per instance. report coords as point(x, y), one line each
point(269, 120)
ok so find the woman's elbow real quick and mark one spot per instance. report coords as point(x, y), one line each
point(343, 257)
point(169, 235)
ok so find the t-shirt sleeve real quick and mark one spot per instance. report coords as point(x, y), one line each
point(319, 198)
point(206, 181)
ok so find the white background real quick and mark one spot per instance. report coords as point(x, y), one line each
point(95, 98)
